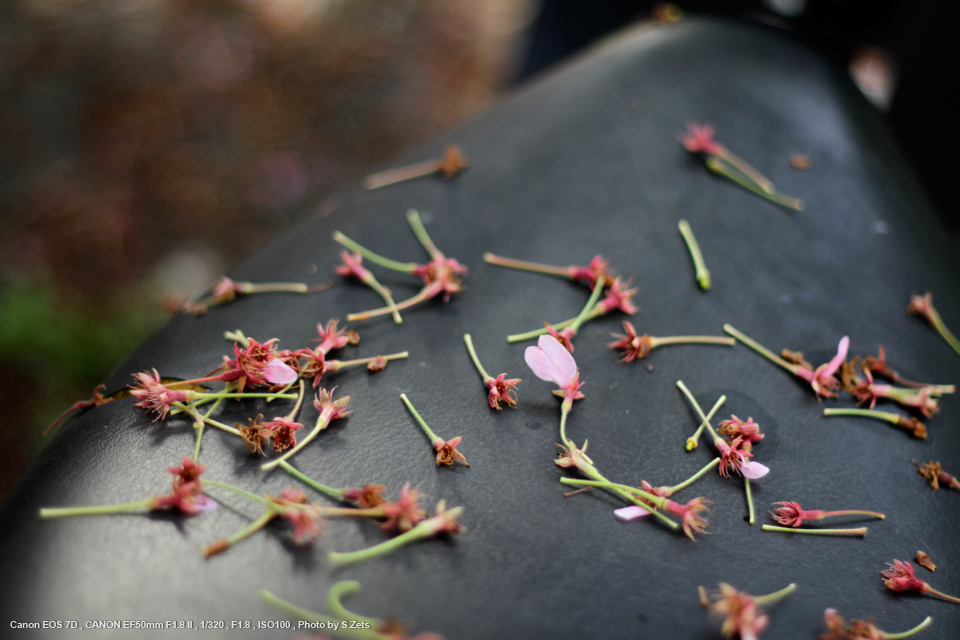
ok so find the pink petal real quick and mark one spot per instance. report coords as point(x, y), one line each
point(564, 364)
point(278, 372)
point(754, 470)
point(626, 514)
point(538, 361)
point(205, 504)
point(838, 359)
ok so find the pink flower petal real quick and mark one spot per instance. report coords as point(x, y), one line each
point(564, 364)
point(539, 363)
point(754, 470)
point(278, 372)
point(838, 359)
point(626, 514)
point(205, 504)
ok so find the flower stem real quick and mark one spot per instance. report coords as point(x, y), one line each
point(476, 361)
point(421, 232)
point(862, 531)
point(346, 588)
point(776, 595)
point(400, 174)
point(63, 512)
point(235, 336)
point(376, 258)
point(660, 342)
point(243, 492)
point(426, 428)
point(759, 348)
point(628, 493)
point(423, 529)
point(746, 485)
point(941, 327)
point(725, 169)
point(906, 634)
point(310, 616)
point(323, 421)
point(371, 281)
point(852, 512)
point(595, 312)
point(258, 524)
point(892, 418)
point(746, 169)
point(524, 265)
point(195, 414)
point(705, 419)
point(352, 363)
point(940, 594)
point(200, 424)
point(565, 407)
point(336, 494)
point(296, 408)
point(703, 274)
point(689, 481)
point(272, 287)
point(584, 314)
point(426, 293)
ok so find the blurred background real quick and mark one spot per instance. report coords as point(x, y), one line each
point(146, 145)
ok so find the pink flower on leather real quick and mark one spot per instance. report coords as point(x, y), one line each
point(737, 428)
point(330, 408)
point(822, 379)
point(257, 364)
point(154, 396)
point(619, 297)
point(189, 472)
point(305, 522)
point(598, 269)
point(739, 614)
point(352, 266)
point(284, 433)
point(332, 338)
point(699, 139)
point(501, 390)
point(732, 458)
point(900, 577)
point(185, 498)
point(564, 336)
point(442, 274)
point(551, 362)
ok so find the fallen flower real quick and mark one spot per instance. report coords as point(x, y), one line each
point(734, 428)
point(329, 409)
point(226, 290)
point(878, 366)
point(837, 629)
point(549, 361)
point(791, 514)
point(444, 522)
point(900, 577)
point(822, 379)
point(353, 267)
point(923, 399)
point(452, 163)
point(447, 453)
point(738, 611)
point(80, 405)
point(910, 424)
point(500, 389)
point(597, 270)
point(936, 476)
point(923, 306)
point(633, 346)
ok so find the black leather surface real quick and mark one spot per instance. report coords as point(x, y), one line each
point(566, 169)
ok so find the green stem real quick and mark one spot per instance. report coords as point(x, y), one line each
point(424, 529)
point(628, 493)
point(237, 336)
point(660, 342)
point(942, 329)
point(703, 274)
point(251, 528)
point(892, 418)
point(725, 169)
point(589, 307)
point(704, 419)
point(524, 265)
point(192, 410)
point(746, 169)
point(336, 494)
point(776, 595)
point(310, 616)
point(565, 407)
point(940, 594)
point(862, 531)
point(689, 481)
point(750, 517)
point(346, 588)
point(426, 428)
point(371, 281)
point(906, 634)
point(476, 361)
point(759, 348)
point(376, 258)
point(353, 363)
point(323, 421)
point(62, 512)
point(596, 312)
point(272, 287)
point(426, 293)
point(421, 232)
point(200, 425)
point(243, 492)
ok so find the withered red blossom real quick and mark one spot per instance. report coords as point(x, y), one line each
point(619, 297)
point(284, 433)
point(738, 612)
point(735, 428)
point(405, 513)
point(564, 336)
point(189, 472)
point(377, 364)
point(691, 515)
point(154, 396)
point(447, 453)
point(936, 476)
point(255, 434)
point(370, 496)
point(900, 577)
point(333, 338)
point(632, 346)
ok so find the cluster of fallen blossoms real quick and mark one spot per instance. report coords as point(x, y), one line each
point(857, 377)
point(263, 372)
